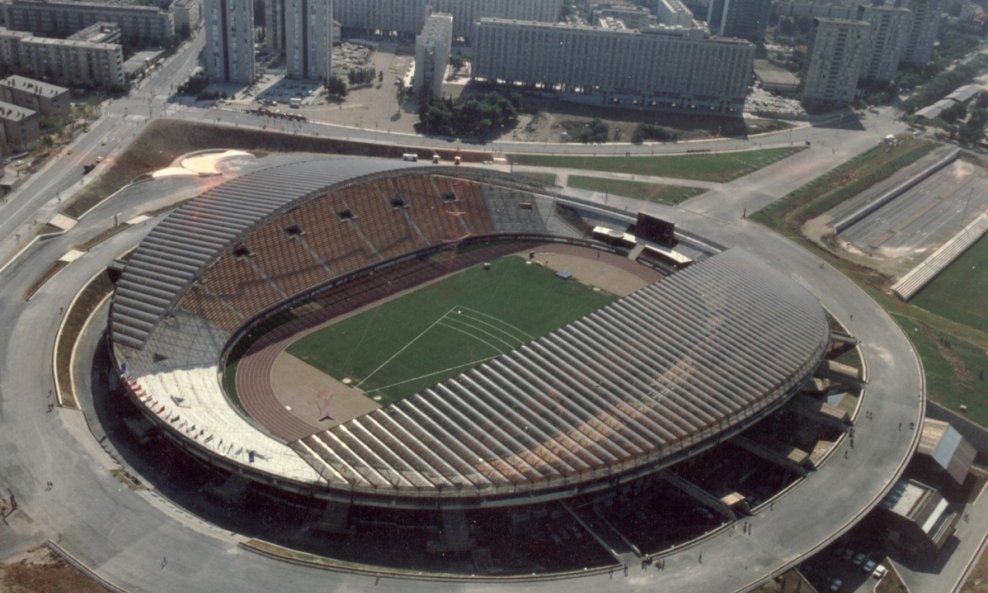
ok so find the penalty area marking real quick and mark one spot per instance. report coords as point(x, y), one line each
point(471, 323)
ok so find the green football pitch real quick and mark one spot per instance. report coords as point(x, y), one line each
point(441, 330)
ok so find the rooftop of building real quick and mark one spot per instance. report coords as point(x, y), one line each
point(96, 33)
point(48, 41)
point(126, 4)
point(5, 32)
point(11, 112)
point(694, 33)
point(30, 85)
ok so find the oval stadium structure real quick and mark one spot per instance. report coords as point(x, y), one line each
point(652, 379)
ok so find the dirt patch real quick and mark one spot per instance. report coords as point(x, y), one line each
point(607, 271)
point(43, 572)
point(545, 120)
point(313, 396)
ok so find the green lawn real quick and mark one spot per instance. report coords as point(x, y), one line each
point(956, 371)
point(652, 192)
point(960, 293)
point(441, 330)
point(840, 184)
point(719, 167)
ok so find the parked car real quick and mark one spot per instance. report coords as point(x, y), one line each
point(880, 571)
point(835, 585)
point(869, 566)
point(859, 559)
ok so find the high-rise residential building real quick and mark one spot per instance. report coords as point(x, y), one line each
point(274, 25)
point(889, 34)
point(922, 31)
point(746, 19)
point(309, 38)
point(229, 50)
point(406, 17)
point(187, 15)
point(432, 47)
point(837, 57)
point(139, 25)
point(669, 68)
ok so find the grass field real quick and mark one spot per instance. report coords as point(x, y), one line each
point(441, 330)
point(959, 292)
point(651, 192)
point(719, 167)
point(956, 371)
point(846, 181)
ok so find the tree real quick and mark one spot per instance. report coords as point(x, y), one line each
point(457, 62)
point(401, 92)
point(336, 87)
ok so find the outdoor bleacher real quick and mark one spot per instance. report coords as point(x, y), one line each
point(639, 384)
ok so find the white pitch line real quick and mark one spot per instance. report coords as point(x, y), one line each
point(403, 348)
point(494, 328)
point(453, 368)
point(450, 325)
point(514, 327)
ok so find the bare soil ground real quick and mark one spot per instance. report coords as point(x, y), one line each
point(977, 581)
point(40, 571)
point(314, 396)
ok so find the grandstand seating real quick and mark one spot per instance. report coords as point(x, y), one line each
point(333, 235)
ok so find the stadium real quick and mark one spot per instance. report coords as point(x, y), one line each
point(679, 367)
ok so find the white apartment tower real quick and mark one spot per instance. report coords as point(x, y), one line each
point(229, 51)
point(432, 48)
point(309, 38)
point(837, 58)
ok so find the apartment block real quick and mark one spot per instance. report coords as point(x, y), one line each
point(274, 25)
point(187, 15)
point(309, 38)
point(889, 35)
point(47, 99)
point(407, 17)
point(75, 63)
point(102, 32)
point(139, 25)
point(661, 67)
point(229, 51)
point(432, 48)
point(837, 57)
point(20, 126)
point(746, 19)
point(922, 31)
point(70, 62)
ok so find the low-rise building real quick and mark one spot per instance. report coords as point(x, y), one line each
point(139, 25)
point(76, 63)
point(20, 126)
point(72, 62)
point(47, 99)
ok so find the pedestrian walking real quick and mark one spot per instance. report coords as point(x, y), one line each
point(164, 562)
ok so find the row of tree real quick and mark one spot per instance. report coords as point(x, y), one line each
point(476, 116)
